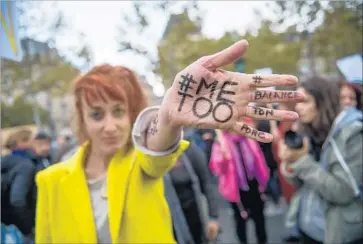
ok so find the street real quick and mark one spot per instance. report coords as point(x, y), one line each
point(274, 228)
point(274, 224)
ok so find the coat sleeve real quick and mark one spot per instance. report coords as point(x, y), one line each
point(334, 185)
point(200, 165)
point(22, 183)
point(42, 230)
point(157, 166)
point(290, 177)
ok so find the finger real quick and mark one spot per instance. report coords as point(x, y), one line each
point(276, 96)
point(250, 132)
point(270, 114)
point(306, 143)
point(256, 80)
point(226, 56)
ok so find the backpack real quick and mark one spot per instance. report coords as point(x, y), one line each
point(10, 234)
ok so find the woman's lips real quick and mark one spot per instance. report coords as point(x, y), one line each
point(111, 140)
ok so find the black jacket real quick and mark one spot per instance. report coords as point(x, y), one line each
point(17, 176)
point(264, 125)
point(182, 181)
point(17, 192)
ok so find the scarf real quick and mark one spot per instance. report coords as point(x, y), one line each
point(252, 165)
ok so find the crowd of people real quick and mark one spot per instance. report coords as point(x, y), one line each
point(138, 173)
point(26, 154)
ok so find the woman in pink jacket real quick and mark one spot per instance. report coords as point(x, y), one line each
point(239, 164)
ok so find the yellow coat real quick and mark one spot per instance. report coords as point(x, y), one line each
point(138, 211)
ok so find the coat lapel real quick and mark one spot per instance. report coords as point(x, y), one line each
point(76, 190)
point(118, 182)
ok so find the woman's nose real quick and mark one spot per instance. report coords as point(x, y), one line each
point(110, 124)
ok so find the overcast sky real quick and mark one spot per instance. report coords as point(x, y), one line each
point(98, 20)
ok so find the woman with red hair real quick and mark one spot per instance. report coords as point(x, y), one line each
point(111, 190)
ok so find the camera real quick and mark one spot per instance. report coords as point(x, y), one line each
point(293, 140)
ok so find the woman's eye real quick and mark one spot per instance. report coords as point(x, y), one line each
point(118, 112)
point(97, 115)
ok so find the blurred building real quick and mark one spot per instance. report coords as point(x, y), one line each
point(309, 64)
point(148, 90)
point(177, 21)
point(36, 55)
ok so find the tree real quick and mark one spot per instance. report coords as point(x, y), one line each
point(339, 35)
point(40, 29)
point(330, 30)
point(272, 49)
point(178, 46)
point(19, 113)
point(301, 14)
point(189, 45)
point(307, 15)
point(139, 21)
point(44, 67)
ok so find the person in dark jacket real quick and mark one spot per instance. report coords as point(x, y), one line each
point(23, 152)
point(273, 187)
point(190, 176)
point(65, 145)
point(42, 145)
point(24, 146)
point(17, 179)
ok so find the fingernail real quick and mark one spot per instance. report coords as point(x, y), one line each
point(268, 137)
point(299, 96)
point(292, 115)
point(292, 80)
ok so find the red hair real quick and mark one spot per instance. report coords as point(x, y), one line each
point(107, 82)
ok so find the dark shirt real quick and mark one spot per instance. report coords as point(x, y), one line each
point(183, 183)
point(17, 193)
point(264, 125)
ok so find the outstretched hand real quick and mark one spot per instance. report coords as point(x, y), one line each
point(205, 96)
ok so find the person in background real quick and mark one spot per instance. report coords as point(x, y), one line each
point(65, 144)
point(273, 187)
point(207, 136)
point(42, 142)
point(191, 178)
point(23, 151)
point(25, 146)
point(327, 169)
point(8, 147)
point(17, 188)
point(204, 139)
point(21, 143)
point(240, 166)
point(5, 145)
point(287, 189)
point(350, 95)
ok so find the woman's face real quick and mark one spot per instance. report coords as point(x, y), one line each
point(107, 125)
point(307, 110)
point(348, 97)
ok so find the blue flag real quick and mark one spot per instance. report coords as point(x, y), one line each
point(9, 36)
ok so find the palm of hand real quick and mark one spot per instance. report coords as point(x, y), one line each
point(207, 99)
point(205, 96)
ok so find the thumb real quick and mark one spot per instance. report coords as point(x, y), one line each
point(226, 56)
